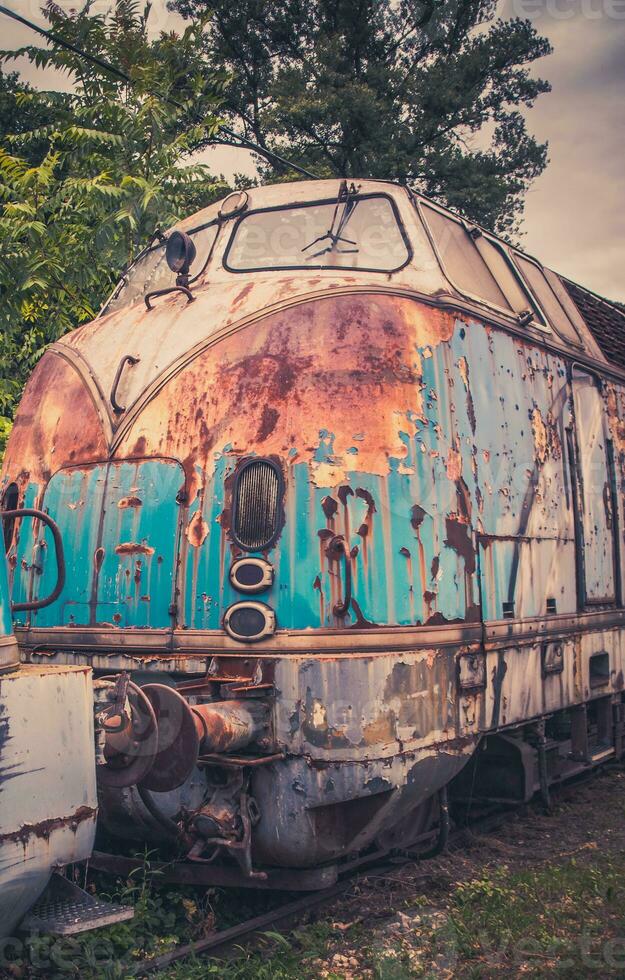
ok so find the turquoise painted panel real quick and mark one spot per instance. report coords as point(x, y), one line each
point(461, 519)
point(25, 556)
point(484, 459)
point(6, 623)
point(120, 524)
point(409, 532)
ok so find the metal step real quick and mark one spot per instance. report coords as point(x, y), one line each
point(65, 909)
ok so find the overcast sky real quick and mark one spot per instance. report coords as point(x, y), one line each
point(575, 211)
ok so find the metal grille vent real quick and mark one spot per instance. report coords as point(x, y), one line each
point(257, 505)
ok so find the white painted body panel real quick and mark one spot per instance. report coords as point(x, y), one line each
point(47, 781)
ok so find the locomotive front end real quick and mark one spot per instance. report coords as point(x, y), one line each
point(261, 459)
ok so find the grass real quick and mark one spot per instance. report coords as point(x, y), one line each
point(564, 919)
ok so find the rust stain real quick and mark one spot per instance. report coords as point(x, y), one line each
point(44, 828)
point(417, 513)
point(316, 729)
point(329, 507)
point(197, 530)
point(268, 422)
point(360, 622)
point(380, 730)
point(58, 428)
point(539, 430)
point(368, 498)
point(459, 538)
point(240, 297)
point(127, 502)
point(463, 367)
point(546, 438)
point(318, 588)
point(453, 465)
point(617, 424)
point(132, 548)
point(330, 351)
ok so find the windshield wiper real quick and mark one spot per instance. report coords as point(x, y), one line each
point(346, 197)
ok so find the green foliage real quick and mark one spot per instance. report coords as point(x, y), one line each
point(18, 113)
point(418, 90)
point(97, 171)
point(425, 92)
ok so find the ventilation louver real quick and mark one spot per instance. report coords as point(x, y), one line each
point(257, 503)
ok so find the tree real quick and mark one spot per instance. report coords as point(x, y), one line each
point(424, 91)
point(17, 116)
point(112, 167)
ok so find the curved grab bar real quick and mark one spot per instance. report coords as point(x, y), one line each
point(126, 359)
point(335, 548)
point(179, 288)
point(60, 557)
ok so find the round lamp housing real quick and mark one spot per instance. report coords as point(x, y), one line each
point(180, 252)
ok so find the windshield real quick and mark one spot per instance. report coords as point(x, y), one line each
point(150, 270)
point(352, 232)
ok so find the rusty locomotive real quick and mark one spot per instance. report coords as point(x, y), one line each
point(339, 478)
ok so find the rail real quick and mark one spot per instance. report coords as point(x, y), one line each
point(60, 557)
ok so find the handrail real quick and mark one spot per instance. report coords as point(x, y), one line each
point(178, 288)
point(60, 557)
point(126, 359)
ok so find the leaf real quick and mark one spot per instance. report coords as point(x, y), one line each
point(86, 175)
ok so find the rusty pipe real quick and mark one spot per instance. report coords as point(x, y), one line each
point(225, 726)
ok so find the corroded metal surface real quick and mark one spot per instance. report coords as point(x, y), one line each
point(47, 780)
point(468, 460)
point(444, 501)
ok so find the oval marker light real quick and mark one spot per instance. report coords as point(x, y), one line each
point(249, 622)
point(251, 575)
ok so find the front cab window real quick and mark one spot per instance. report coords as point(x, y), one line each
point(354, 232)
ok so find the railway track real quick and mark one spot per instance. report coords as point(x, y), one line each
point(220, 944)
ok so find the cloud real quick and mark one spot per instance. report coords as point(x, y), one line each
point(573, 217)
